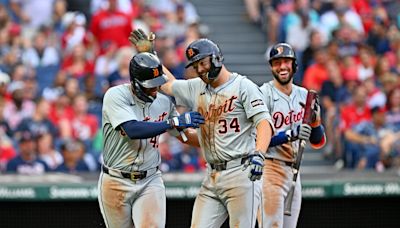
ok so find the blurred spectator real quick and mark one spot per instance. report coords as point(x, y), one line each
point(71, 151)
point(340, 15)
point(61, 109)
point(74, 25)
point(78, 65)
point(82, 126)
point(5, 128)
point(365, 138)
point(316, 73)
point(382, 67)
point(334, 94)
point(18, 108)
point(47, 151)
point(389, 82)
point(4, 82)
point(41, 53)
point(32, 14)
point(170, 60)
point(121, 75)
point(393, 109)
point(348, 41)
point(299, 24)
point(315, 43)
point(375, 96)
point(106, 63)
point(38, 123)
point(366, 65)
point(377, 38)
point(168, 9)
point(111, 26)
point(27, 161)
point(7, 151)
point(59, 10)
point(175, 27)
point(350, 115)
point(253, 11)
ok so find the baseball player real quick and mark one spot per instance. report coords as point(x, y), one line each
point(131, 191)
point(284, 101)
point(234, 111)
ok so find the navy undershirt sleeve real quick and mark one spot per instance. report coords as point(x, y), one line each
point(144, 130)
point(279, 139)
point(317, 134)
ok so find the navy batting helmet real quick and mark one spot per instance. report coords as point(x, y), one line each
point(283, 50)
point(145, 71)
point(202, 48)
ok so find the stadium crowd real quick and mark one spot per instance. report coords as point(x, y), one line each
point(348, 51)
point(58, 57)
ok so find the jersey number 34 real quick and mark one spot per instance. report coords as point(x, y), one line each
point(224, 125)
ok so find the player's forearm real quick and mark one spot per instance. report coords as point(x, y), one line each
point(192, 138)
point(144, 130)
point(264, 135)
point(167, 87)
point(318, 137)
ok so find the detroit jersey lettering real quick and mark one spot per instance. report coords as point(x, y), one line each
point(227, 110)
point(284, 117)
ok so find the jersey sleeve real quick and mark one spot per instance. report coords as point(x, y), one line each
point(117, 108)
point(253, 101)
point(183, 90)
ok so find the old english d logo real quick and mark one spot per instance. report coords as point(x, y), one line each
point(156, 72)
point(190, 52)
point(280, 50)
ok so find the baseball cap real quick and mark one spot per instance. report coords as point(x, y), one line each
point(4, 78)
point(378, 109)
point(26, 136)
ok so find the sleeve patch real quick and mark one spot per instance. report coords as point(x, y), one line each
point(257, 102)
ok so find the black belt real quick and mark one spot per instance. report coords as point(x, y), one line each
point(228, 164)
point(279, 161)
point(136, 175)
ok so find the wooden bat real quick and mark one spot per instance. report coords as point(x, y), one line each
point(307, 119)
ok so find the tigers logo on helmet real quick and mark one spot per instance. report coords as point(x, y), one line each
point(156, 72)
point(190, 52)
point(280, 50)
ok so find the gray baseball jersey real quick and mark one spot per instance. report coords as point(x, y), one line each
point(227, 135)
point(126, 202)
point(228, 132)
point(287, 113)
point(119, 106)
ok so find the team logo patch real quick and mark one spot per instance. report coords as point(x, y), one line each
point(257, 102)
point(190, 52)
point(280, 50)
point(156, 72)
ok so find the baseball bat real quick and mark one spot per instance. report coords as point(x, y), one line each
point(184, 138)
point(307, 119)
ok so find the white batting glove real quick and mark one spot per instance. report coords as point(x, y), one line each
point(256, 163)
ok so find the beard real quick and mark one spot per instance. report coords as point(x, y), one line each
point(283, 81)
point(204, 78)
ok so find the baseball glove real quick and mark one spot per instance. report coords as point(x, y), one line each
point(141, 41)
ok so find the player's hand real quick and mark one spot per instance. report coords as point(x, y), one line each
point(141, 41)
point(187, 119)
point(303, 131)
point(256, 163)
point(316, 115)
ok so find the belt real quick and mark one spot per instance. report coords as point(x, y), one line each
point(279, 161)
point(228, 164)
point(134, 176)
